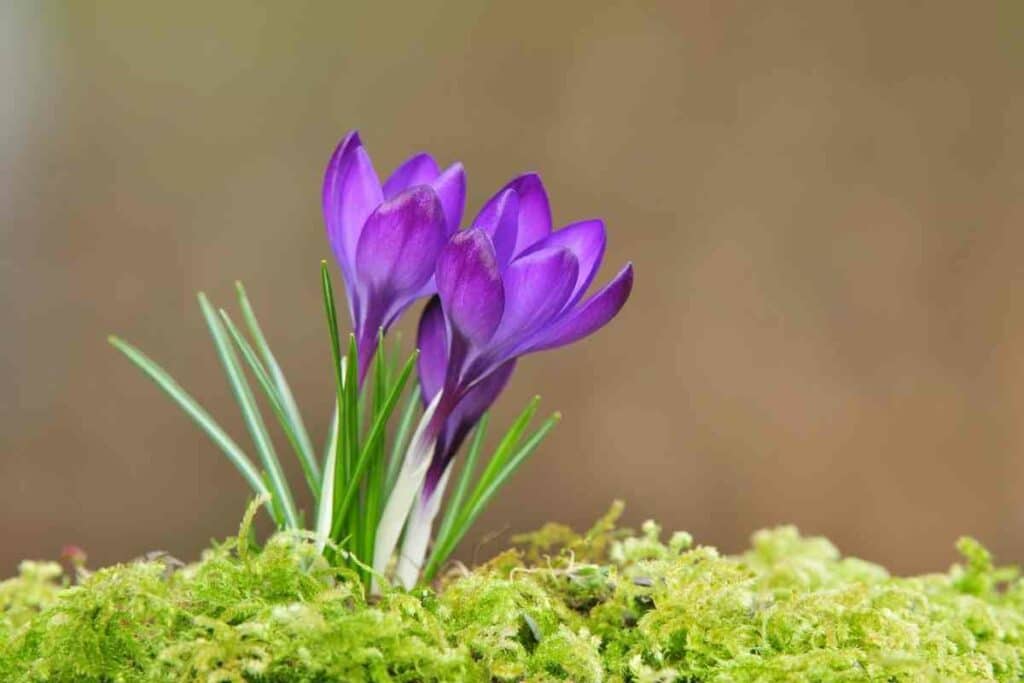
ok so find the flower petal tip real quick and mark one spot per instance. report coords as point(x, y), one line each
point(469, 283)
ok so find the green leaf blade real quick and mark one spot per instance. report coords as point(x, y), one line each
point(250, 413)
point(284, 390)
point(402, 435)
point(507, 444)
point(508, 458)
point(376, 433)
point(276, 402)
point(194, 410)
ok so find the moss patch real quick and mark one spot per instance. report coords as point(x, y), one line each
point(606, 605)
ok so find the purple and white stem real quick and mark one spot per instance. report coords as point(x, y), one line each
point(408, 483)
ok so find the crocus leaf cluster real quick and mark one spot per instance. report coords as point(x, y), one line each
point(505, 286)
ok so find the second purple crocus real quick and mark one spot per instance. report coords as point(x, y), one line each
point(508, 286)
point(387, 237)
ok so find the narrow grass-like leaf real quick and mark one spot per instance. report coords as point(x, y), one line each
point(402, 435)
point(483, 494)
point(331, 312)
point(377, 432)
point(250, 411)
point(275, 501)
point(276, 402)
point(202, 418)
point(307, 452)
point(375, 469)
point(325, 511)
point(394, 356)
point(518, 458)
point(338, 472)
point(506, 446)
point(349, 428)
point(352, 400)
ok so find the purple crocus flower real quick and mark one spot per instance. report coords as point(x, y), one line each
point(387, 237)
point(507, 287)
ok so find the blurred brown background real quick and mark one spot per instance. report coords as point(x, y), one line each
point(824, 202)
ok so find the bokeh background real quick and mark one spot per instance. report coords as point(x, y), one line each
point(824, 202)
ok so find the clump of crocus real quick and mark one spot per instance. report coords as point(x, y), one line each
point(508, 286)
point(505, 287)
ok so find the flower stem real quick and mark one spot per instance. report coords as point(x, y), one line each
point(408, 483)
point(417, 533)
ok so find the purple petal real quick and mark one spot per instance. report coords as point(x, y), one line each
point(502, 224)
point(351, 192)
point(587, 241)
point(420, 169)
point(470, 286)
point(400, 243)
point(534, 210)
point(592, 315)
point(451, 188)
point(463, 418)
point(536, 288)
point(432, 340)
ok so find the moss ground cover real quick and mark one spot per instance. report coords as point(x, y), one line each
point(606, 605)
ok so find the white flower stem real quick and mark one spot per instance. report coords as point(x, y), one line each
point(417, 534)
point(407, 486)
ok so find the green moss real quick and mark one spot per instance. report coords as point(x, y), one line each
point(605, 605)
point(36, 587)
